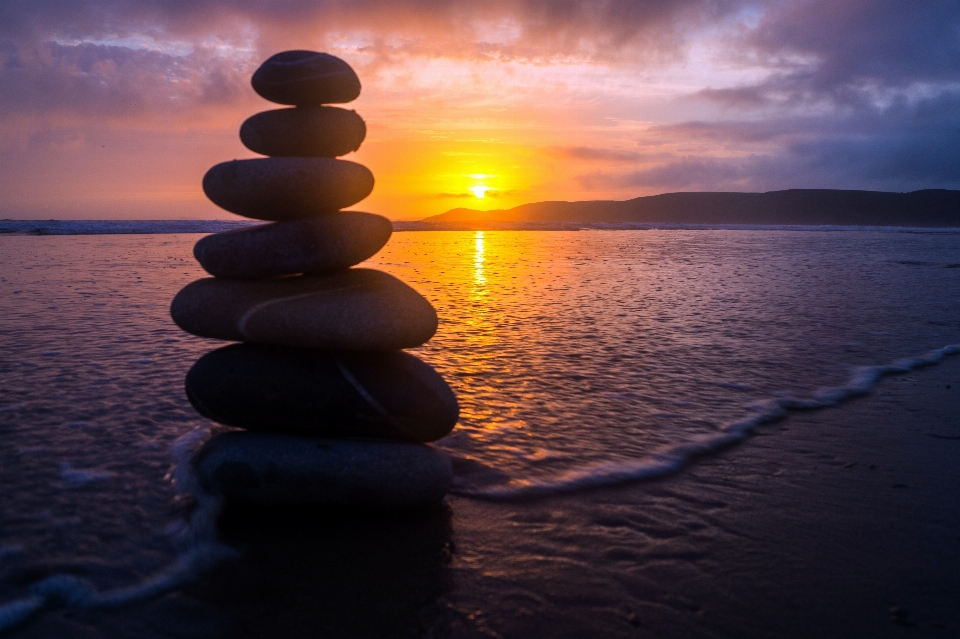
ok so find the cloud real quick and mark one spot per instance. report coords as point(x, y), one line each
point(715, 94)
point(116, 60)
point(903, 147)
point(101, 81)
point(682, 174)
point(845, 53)
point(598, 154)
point(519, 27)
point(489, 193)
point(846, 42)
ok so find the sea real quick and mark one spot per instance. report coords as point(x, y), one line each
point(584, 357)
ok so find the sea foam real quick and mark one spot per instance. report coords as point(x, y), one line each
point(199, 548)
point(477, 484)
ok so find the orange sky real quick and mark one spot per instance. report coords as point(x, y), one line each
point(436, 128)
point(117, 109)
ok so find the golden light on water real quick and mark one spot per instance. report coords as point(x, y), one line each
point(478, 276)
point(466, 275)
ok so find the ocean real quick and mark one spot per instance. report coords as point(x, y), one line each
point(587, 363)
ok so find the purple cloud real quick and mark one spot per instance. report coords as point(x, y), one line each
point(900, 148)
point(601, 155)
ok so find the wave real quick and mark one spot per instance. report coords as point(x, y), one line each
point(200, 550)
point(118, 227)
point(477, 483)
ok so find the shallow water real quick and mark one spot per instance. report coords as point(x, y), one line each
point(572, 353)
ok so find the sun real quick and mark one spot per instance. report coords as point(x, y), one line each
point(479, 191)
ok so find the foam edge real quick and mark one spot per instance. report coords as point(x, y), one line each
point(673, 459)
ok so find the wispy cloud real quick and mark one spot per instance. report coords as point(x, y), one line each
point(487, 193)
point(599, 154)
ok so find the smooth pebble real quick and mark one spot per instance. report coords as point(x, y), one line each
point(356, 309)
point(325, 132)
point(306, 78)
point(276, 469)
point(310, 245)
point(324, 393)
point(286, 188)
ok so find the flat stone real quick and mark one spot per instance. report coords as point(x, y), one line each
point(324, 132)
point(276, 469)
point(286, 188)
point(306, 78)
point(390, 395)
point(356, 309)
point(310, 245)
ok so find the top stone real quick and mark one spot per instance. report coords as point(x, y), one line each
point(306, 78)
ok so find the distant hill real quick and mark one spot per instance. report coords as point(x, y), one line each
point(928, 208)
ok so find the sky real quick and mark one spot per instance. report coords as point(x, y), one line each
point(114, 109)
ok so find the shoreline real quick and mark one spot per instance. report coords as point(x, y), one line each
point(42, 228)
point(791, 533)
point(842, 522)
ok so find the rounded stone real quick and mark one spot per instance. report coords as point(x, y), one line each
point(356, 309)
point(324, 132)
point(306, 78)
point(389, 394)
point(311, 245)
point(281, 189)
point(275, 469)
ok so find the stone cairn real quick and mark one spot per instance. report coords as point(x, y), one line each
point(333, 411)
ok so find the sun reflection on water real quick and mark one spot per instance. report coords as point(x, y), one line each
point(478, 278)
point(573, 348)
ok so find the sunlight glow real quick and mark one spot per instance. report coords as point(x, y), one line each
point(479, 191)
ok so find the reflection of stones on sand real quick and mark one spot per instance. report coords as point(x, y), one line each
point(335, 413)
point(313, 573)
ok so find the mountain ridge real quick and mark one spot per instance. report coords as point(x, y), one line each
point(814, 207)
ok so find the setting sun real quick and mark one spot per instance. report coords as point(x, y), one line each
point(479, 191)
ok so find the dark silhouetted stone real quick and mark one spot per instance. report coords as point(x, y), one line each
point(323, 132)
point(306, 78)
point(277, 469)
point(324, 393)
point(286, 188)
point(310, 245)
point(379, 575)
point(357, 309)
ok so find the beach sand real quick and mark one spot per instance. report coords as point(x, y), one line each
point(842, 522)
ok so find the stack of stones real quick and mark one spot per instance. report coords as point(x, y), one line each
point(333, 411)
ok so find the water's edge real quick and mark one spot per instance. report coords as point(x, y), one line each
point(159, 227)
point(200, 548)
point(675, 458)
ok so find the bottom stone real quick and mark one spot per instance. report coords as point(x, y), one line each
point(276, 469)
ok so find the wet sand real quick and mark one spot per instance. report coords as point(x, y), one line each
point(836, 523)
